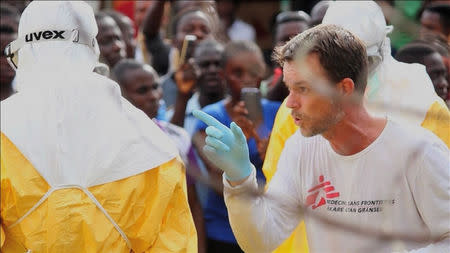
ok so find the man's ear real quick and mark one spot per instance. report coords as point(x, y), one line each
point(346, 87)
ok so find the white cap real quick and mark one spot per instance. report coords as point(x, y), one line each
point(365, 19)
point(62, 15)
point(40, 16)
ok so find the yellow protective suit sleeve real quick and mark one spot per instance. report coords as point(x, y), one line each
point(437, 121)
point(177, 232)
point(283, 128)
point(10, 210)
point(2, 237)
point(160, 219)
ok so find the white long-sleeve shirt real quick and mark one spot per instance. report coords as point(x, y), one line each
point(400, 183)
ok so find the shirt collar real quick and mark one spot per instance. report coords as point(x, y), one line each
point(193, 104)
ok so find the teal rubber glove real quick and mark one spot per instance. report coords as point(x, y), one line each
point(226, 147)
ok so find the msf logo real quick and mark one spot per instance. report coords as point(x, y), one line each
point(324, 190)
point(46, 35)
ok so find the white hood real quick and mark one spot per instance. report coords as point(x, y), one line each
point(73, 125)
point(403, 92)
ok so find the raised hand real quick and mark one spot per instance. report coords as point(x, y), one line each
point(186, 77)
point(226, 147)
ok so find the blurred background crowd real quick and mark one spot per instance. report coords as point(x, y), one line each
point(173, 57)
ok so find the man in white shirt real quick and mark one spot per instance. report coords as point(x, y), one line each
point(342, 163)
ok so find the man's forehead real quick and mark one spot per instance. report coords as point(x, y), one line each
point(304, 71)
point(109, 29)
point(136, 75)
point(430, 18)
point(291, 73)
point(126, 22)
point(300, 67)
point(194, 18)
point(107, 22)
point(434, 60)
point(203, 54)
point(430, 15)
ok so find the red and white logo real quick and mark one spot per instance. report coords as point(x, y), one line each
point(320, 192)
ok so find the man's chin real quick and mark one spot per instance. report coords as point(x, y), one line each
point(443, 95)
point(152, 114)
point(211, 85)
point(309, 132)
point(114, 60)
point(306, 133)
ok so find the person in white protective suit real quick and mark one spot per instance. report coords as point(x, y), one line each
point(401, 91)
point(82, 170)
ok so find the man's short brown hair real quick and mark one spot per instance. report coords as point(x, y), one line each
point(341, 54)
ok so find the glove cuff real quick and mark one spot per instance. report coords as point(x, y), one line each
point(241, 173)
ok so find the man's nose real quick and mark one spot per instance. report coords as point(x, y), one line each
point(200, 34)
point(292, 101)
point(249, 80)
point(212, 67)
point(152, 95)
point(118, 45)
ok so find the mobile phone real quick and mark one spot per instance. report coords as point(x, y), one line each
point(187, 48)
point(252, 100)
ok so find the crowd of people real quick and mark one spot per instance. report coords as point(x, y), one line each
point(172, 131)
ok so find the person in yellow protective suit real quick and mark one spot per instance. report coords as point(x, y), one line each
point(82, 170)
point(400, 91)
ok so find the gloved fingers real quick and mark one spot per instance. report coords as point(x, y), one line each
point(208, 119)
point(215, 143)
point(211, 153)
point(214, 132)
point(237, 131)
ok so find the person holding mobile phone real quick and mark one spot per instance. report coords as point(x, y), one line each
point(243, 67)
point(210, 86)
point(189, 27)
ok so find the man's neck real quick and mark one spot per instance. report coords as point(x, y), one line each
point(6, 91)
point(205, 99)
point(229, 21)
point(355, 132)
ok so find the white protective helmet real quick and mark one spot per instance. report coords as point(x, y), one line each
point(389, 80)
point(366, 20)
point(43, 39)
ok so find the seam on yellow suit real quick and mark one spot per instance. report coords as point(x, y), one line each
point(33, 208)
point(89, 194)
